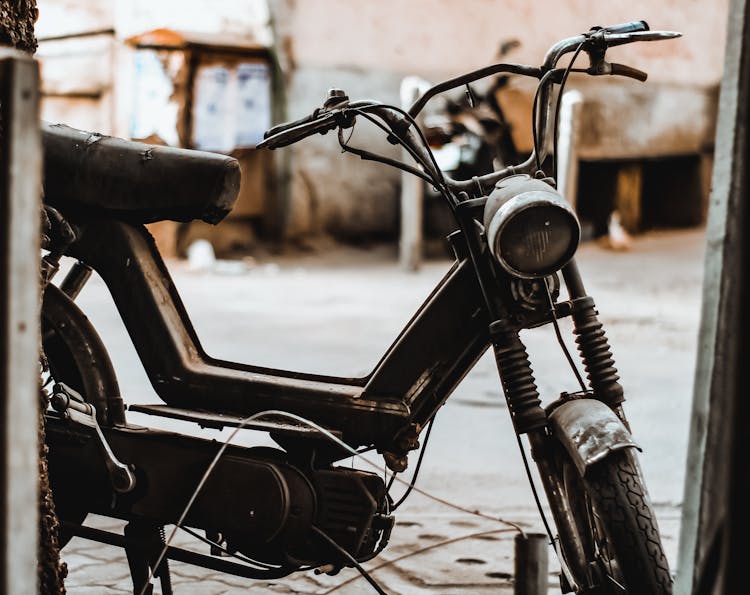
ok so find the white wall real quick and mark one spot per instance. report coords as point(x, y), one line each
point(130, 17)
point(103, 64)
point(439, 37)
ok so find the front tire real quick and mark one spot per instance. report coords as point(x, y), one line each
point(630, 544)
point(616, 527)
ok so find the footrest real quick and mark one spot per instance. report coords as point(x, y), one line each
point(211, 419)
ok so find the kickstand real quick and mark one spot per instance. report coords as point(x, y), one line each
point(146, 543)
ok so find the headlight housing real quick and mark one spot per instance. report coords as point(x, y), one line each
point(531, 229)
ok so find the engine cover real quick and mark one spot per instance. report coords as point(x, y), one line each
point(256, 501)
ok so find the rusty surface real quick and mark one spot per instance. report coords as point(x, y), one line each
point(589, 431)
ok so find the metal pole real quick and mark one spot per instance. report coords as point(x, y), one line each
point(567, 145)
point(531, 564)
point(410, 244)
point(20, 164)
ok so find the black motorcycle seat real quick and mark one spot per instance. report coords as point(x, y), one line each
point(92, 176)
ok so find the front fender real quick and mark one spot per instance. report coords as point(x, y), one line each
point(589, 431)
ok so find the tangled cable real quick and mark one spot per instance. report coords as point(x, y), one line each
point(332, 438)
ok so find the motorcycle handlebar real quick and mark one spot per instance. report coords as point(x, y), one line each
point(330, 116)
point(614, 39)
point(597, 39)
point(605, 37)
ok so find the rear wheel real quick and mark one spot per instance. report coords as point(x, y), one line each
point(76, 357)
point(617, 528)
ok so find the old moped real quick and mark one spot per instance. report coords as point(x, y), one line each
point(294, 507)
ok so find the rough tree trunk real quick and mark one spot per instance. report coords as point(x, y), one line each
point(17, 18)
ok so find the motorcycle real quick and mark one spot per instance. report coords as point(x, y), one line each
point(291, 508)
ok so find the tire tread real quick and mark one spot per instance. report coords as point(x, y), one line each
point(623, 505)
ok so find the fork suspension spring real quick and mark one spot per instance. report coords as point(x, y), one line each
point(518, 382)
point(596, 354)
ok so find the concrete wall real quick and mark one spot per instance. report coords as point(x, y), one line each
point(434, 38)
point(367, 47)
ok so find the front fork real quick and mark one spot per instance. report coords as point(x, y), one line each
point(593, 347)
point(530, 418)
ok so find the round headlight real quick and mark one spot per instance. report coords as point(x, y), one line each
point(531, 230)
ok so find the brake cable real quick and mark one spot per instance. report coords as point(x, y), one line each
point(440, 185)
point(534, 108)
point(256, 563)
point(418, 158)
point(413, 123)
point(560, 340)
point(368, 156)
point(352, 560)
point(557, 107)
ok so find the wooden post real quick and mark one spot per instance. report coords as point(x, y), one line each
point(531, 564)
point(20, 188)
point(712, 558)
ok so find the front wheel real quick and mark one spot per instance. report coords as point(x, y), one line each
point(617, 527)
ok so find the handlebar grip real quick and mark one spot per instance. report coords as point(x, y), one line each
point(286, 134)
point(289, 125)
point(631, 27)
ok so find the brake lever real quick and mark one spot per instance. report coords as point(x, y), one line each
point(602, 67)
point(601, 40)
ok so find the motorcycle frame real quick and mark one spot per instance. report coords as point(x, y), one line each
point(469, 310)
point(415, 376)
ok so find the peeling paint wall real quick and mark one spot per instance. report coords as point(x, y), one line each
point(94, 81)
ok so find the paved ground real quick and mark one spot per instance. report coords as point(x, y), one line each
point(338, 314)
